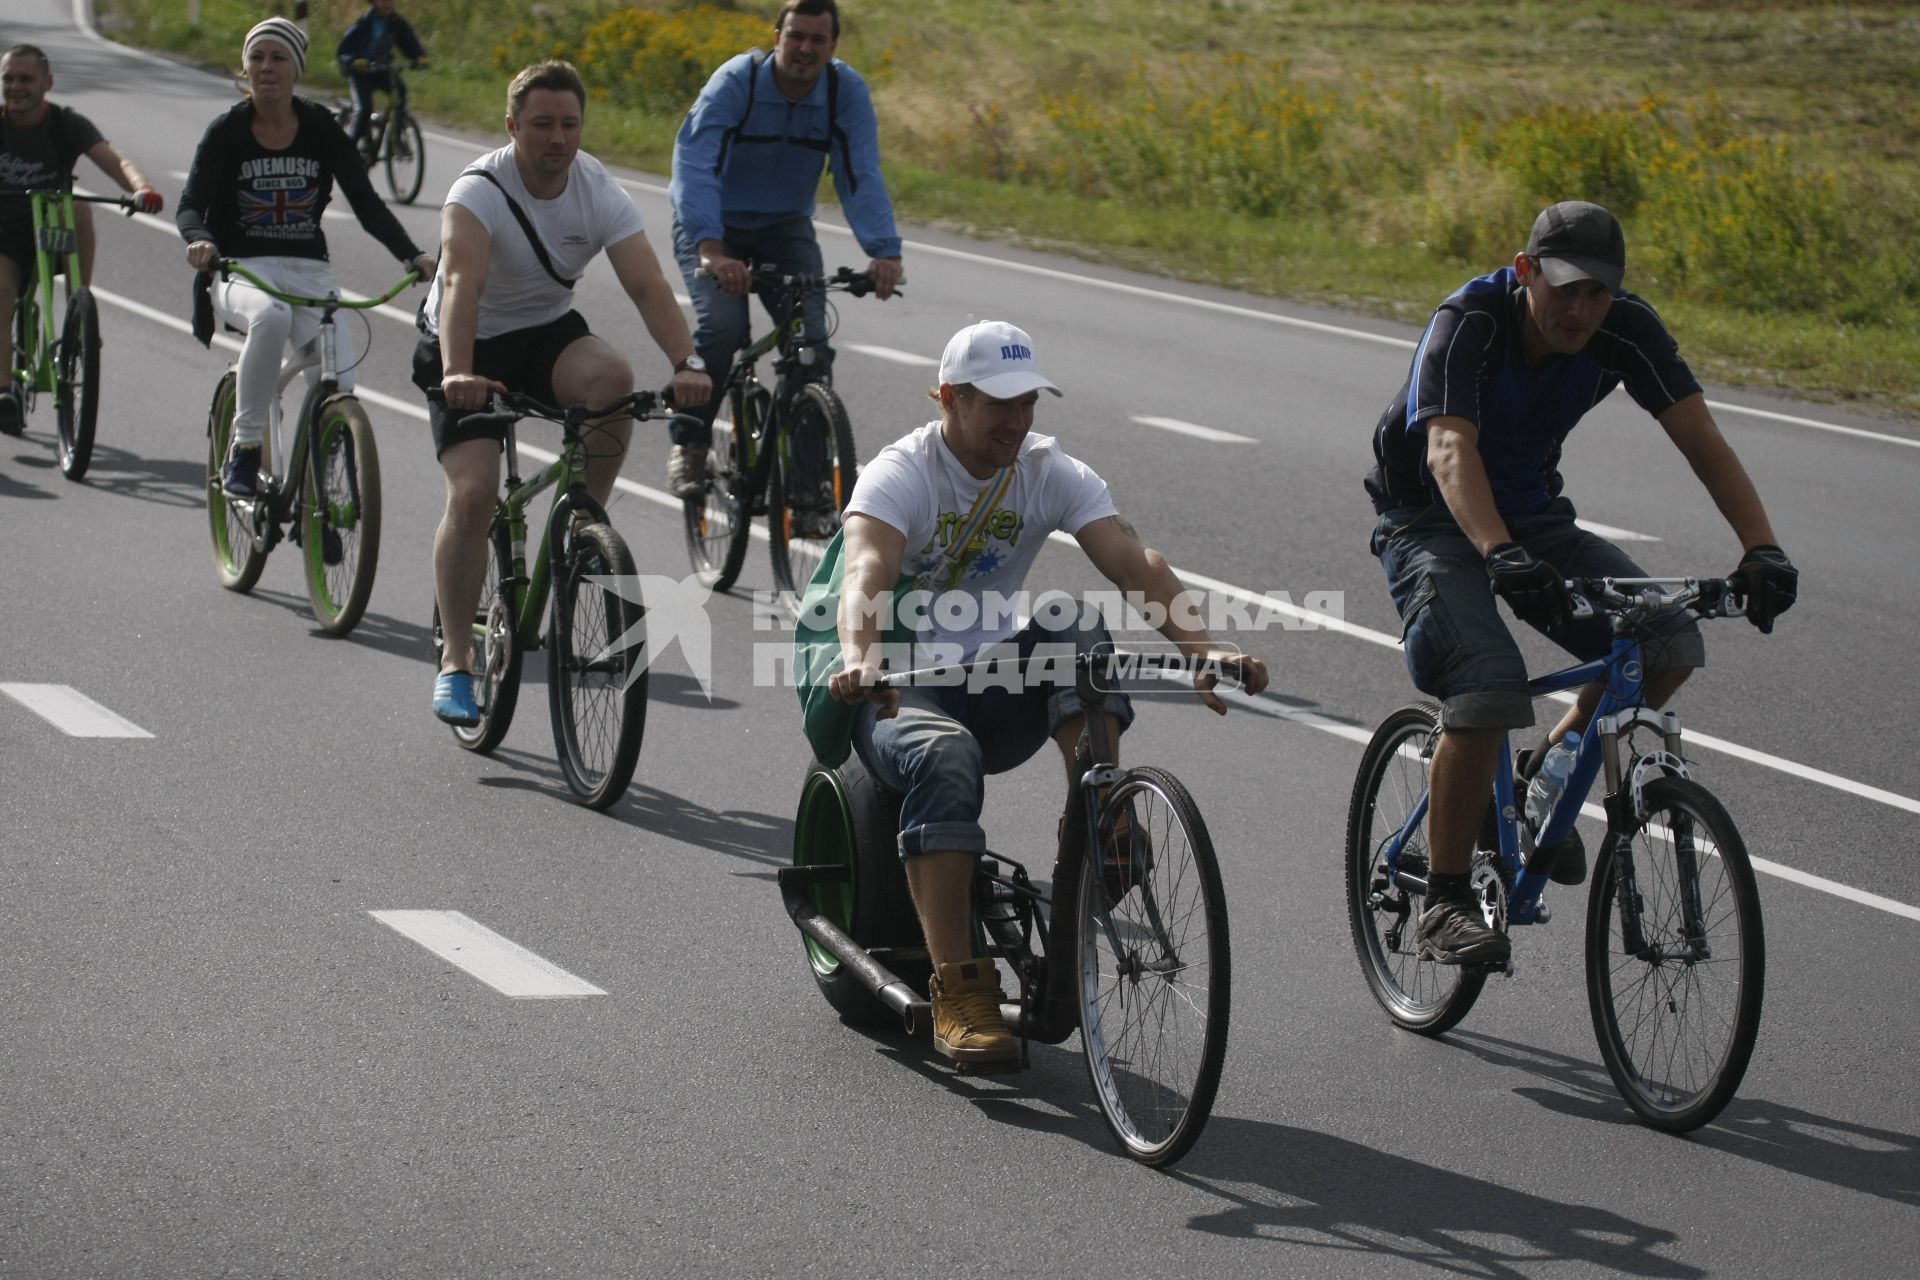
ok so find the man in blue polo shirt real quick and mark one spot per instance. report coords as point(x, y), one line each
point(1467, 489)
point(746, 165)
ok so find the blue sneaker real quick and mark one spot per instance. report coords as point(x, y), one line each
point(453, 699)
point(241, 476)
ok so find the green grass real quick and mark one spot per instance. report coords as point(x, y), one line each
point(1765, 157)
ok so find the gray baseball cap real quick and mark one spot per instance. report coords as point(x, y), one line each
point(1575, 240)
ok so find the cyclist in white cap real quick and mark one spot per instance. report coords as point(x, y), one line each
point(967, 501)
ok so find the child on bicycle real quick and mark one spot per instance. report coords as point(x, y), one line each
point(1466, 488)
point(369, 41)
point(261, 178)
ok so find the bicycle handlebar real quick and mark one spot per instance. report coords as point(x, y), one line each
point(507, 409)
point(232, 266)
point(128, 205)
point(857, 283)
point(1708, 597)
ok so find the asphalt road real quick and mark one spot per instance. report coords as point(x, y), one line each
point(217, 1060)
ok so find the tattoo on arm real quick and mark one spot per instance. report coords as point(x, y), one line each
point(1120, 523)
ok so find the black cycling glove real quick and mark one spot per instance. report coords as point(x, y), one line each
point(1532, 587)
point(1768, 582)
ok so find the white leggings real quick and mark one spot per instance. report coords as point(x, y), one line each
point(269, 325)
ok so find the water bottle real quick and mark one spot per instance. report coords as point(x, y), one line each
point(1550, 781)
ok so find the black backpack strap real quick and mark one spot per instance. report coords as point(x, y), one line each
point(835, 133)
point(526, 225)
point(727, 139)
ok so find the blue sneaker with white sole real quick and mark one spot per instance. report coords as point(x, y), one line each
point(453, 699)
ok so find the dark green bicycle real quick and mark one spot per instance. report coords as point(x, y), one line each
point(595, 638)
point(65, 366)
point(751, 464)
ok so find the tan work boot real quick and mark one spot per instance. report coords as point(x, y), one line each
point(967, 1026)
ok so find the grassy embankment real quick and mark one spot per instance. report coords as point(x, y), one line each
point(1765, 158)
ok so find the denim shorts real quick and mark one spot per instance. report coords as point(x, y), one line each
point(1458, 647)
point(945, 740)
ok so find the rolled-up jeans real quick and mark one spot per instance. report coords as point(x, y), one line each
point(939, 749)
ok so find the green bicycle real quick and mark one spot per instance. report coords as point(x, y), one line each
point(751, 463)
point(596, 640)
point(325, 484)
point(68, 366)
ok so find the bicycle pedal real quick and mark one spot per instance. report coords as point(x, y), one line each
point(1498, 968)
point(1010, 1066)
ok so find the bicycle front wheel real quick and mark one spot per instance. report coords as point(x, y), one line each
point(1676, 958)
point(1384, 918)
point(818, 415)
point(405, 156)
point(597, 666)
point(77, 384)
point(238, 557)
point(1155, 967)
point(340, 514)
point(496, 650)
point(712, 519)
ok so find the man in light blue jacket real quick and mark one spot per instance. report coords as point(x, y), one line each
point(746, 165)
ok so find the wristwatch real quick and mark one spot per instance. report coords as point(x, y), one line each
point(692, 364)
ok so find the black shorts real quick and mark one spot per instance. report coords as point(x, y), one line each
point(16, 242)
point(523, 359)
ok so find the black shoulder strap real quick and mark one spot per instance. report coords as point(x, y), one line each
point(526, 225)
point(835, 133)
point(726, 139)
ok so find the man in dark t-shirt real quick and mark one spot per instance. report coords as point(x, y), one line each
point(39, 145)
point(1466, 488)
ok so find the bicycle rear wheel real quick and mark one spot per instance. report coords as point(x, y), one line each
point(1155, 968)
point(597, 667)
point(1417, 994)
point(496, 650)
point(77, 384)
point(406, 156)
point(717, 522)
point(817, 412)
point(1676, 1009)
point(26, 340)
point(340, 515)
point(238, 557)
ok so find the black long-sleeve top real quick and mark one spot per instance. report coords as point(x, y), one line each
point(253, 202)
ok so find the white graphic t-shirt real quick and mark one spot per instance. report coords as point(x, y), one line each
point(917, 486)
point(592, 213)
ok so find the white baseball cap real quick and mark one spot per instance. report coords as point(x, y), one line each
point(994, 356)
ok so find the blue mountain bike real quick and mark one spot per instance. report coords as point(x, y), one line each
point(1675, 957)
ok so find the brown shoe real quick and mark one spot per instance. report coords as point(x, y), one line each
point(967, 1026)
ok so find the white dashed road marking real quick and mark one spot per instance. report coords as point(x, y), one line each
point(1195, 430)
point(892, 353)
point(501, 963)
point(72, 712)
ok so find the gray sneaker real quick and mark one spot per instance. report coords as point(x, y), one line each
point(687, 471)
point(1452, 931)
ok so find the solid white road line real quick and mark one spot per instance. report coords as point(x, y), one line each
point(1194, 429)
point(501, 963)
point(72, 712)
point(891, 353)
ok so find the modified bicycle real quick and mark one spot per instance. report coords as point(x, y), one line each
point(1675, 949)
point(1134, 955)
point(65, 366)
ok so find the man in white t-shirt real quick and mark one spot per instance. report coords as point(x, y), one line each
point(935, 745)
point(500, 317)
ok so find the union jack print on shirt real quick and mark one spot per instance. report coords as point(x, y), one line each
point(279, 208)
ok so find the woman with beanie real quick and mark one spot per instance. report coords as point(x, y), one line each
point(261, 178)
